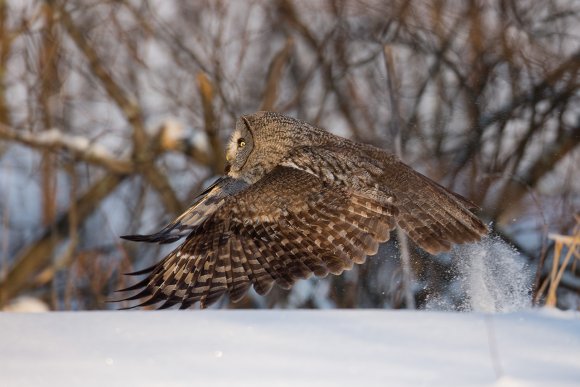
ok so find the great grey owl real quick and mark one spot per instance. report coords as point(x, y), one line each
point(296, 201)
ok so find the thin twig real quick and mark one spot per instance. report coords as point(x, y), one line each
point(397, 136)
point(275, 76)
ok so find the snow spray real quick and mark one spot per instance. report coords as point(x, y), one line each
point(493, 276)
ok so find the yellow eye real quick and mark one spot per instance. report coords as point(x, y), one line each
point(241, 143)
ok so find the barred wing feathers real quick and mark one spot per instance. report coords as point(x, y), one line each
point(203, 205)
point(432, 216)
point(287, 226)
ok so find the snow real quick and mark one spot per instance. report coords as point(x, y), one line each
point(26, 304)
point(488, 276)
point(493, 276)
point(80, 144)
point(290, 348)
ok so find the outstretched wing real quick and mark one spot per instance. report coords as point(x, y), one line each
point(432, 216)
point(203, 206)
point(287, 226)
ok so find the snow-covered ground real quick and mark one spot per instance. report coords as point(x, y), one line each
point(290, 348)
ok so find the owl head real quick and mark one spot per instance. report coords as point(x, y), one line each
point(261, 140)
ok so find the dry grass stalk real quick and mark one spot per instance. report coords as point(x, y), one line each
point(573, 249)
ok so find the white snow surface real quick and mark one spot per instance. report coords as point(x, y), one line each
point(290, 348)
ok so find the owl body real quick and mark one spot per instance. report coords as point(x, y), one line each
point(297, 201)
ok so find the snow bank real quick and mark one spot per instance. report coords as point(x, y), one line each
point(290, 348)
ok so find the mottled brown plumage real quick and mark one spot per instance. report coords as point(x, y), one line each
point(297, 201)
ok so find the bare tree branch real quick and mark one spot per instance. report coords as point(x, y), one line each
point(53, 140)
point(38, 254)
point(275, 76)
point(396, 133)
point(128, 105)
point(211, 123)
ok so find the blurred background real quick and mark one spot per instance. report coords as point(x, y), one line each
point(114, 115)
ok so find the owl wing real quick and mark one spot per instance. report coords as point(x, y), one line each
point(203, 206)
point(431, 215)
point(434, 217)
point(287, 226)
